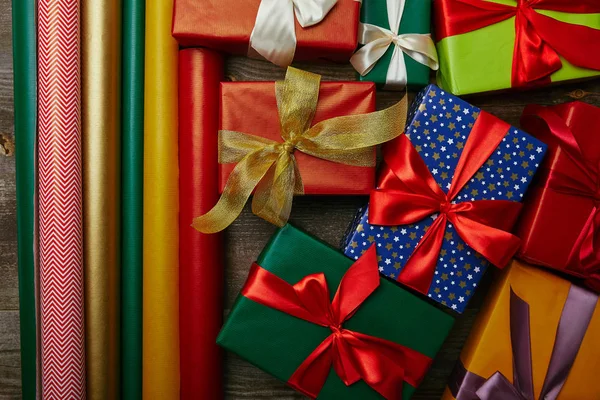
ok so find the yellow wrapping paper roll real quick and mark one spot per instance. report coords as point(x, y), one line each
point(101, 126)
point(489, 349)
point(161, 206)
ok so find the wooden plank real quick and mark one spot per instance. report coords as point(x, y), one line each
point(325, 217)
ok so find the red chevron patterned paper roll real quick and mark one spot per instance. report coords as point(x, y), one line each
point(60, 201)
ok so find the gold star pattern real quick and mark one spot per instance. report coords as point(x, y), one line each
point(458, 266)
point(360, 228)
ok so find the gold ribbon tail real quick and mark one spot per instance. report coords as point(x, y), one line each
point(243, 179)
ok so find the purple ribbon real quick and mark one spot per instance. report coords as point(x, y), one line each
point(574, 321)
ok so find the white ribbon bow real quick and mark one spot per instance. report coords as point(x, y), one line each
point(377, 40)
point(274, 33)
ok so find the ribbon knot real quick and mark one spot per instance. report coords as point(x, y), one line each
point(408, 193)
point(445, 207)
point(540, 40)
point(270, 169)
point(377, 40)
point(354, 356)
point(289, 146)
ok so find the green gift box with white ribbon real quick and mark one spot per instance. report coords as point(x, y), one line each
point(396, 51)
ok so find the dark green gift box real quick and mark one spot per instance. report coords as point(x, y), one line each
point(278, 343)
point(415, 19)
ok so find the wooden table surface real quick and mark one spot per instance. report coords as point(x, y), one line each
point(326, 218)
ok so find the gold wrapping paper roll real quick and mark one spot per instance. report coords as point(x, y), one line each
point(101, 66)
point(161, 208)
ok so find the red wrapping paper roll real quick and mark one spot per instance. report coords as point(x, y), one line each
point(201, 258)
point(60, 204)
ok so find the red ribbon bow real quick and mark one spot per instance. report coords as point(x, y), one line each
point(582, 180)
point(408, 193)
point(382, 364)
point(540, 40)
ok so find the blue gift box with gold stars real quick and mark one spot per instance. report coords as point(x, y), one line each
point(438, 127)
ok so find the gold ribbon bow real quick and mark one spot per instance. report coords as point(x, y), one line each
point(269, 168)
point(274, 33)
point(377, 40)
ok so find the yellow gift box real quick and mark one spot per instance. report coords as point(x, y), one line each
point(550, 323)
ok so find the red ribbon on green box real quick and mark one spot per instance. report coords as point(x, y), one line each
point(382, 364)
point(540, 40)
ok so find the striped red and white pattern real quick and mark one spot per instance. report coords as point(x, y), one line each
point(60, 201)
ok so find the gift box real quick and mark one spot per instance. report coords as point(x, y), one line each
point(489, 45)
point(251, 107)
point(561, 218)
point(292, 137)
point(283, 322)
point(330, 30)
point(405, 62)
point(536, 337)
point(459, 163)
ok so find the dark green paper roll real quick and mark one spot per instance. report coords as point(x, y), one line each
point(132, 202)
point(25, 97)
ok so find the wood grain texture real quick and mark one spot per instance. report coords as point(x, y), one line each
point(325, 217)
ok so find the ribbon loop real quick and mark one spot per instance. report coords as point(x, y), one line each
point(408, 193)
point(270, 168)
point(274, 33)
point(382, 364)
point(377, 40)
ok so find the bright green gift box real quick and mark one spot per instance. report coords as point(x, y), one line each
point(416, 19)
point(279, 343)
point(482, 60)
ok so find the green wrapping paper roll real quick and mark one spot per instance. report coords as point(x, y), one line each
point(25, 96)
point(132, 202)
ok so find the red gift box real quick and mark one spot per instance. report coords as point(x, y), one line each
point(226, 25)
point(560, 224)
point(251, 107)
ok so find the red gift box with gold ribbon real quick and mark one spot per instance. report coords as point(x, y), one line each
point(560, 225)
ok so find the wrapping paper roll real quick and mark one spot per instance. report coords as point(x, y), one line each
point(200, 256)
point(60, 201)
point(101, 66)
point(25, 95)
point(132, 200)
point(161, 205)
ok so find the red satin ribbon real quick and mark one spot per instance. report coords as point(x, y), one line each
point(382, 364)
point(540, 40)
point(408, 193)
point(582, 181)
